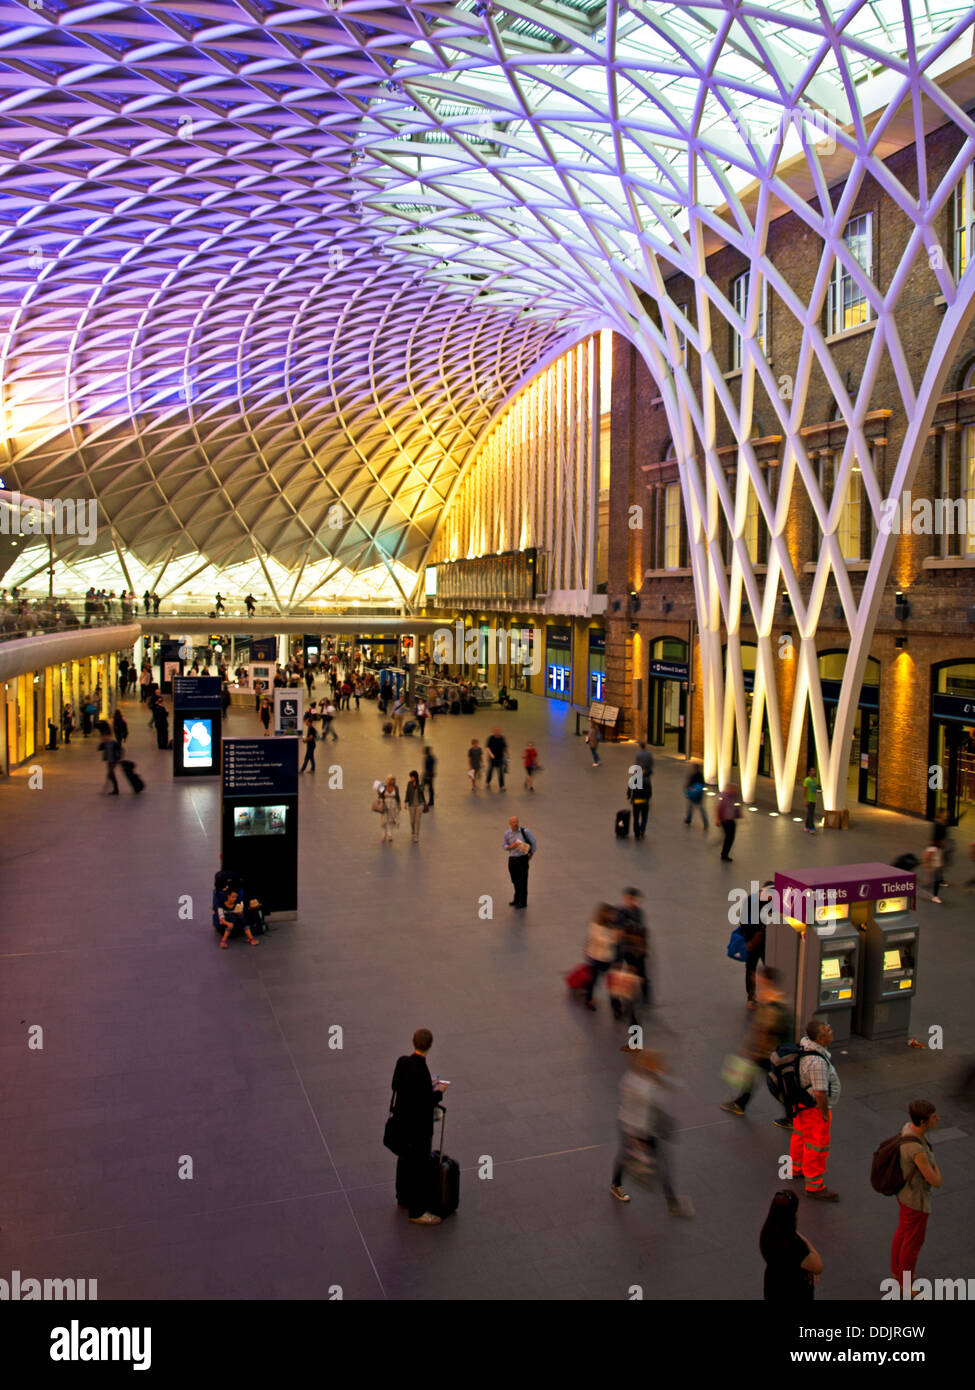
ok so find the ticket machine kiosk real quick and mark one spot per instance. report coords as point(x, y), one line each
point(890, 936)
point(845, 939)
point(816, 947)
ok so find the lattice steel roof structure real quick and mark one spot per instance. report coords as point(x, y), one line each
point(260, 259)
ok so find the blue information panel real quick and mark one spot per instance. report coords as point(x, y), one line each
point(259, 767)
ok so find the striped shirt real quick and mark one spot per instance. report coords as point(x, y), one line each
point(816, 1071)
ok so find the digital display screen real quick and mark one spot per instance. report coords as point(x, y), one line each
point(259, 820)
point(831, 968)
point(892, 960)
point(597, 683)
point(198, 743)
point(560, 679)
point(430, 581)
point(893, 904)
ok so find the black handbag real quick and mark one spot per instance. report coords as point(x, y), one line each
point(393, 1137)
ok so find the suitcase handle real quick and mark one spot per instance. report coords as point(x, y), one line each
point(443, 1124)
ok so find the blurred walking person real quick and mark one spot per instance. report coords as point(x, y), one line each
point(646, 1129)
point(429, 773)
point(602, 948)
point(728, 816)
point(694, 792)
point(769, 1028)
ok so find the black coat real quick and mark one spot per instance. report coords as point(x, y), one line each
point(415, 1098)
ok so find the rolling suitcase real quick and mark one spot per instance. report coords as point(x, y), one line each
point(512, 704)
point(578, 979)
point(622, 824)
point(409, 728)
point(131, 776)
point(468, 707)
point(444, 1178)
point(388, 729)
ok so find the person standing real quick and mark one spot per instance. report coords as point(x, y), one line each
point(218, 603)
point(389, 799)
point(422, 712)
point(921, 1174)
point(145, 679)
point(519, 845)
point(475, 756)
point(531, 766)
point(265, 716)
point(497, 751)
point(809, 788)
point(67, 722)
point(792, 1266)
point(123, 674)
point(811, 1127)
point(146, 599)
point(310, 738)
point(415, 1098)
point(109, 750)
point(415, 804)
point(592, 739)
point(309, 680)
point(250, 604)
point(769, 1028)
point(429, 773)
point(728, 817)
point(694, 792)
point(645, 1128)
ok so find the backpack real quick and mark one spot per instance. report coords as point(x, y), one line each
point(783, 1079)
point(694, 792)
point(886, 1173)
point(737, 946)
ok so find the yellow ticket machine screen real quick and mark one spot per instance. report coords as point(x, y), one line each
point(892, 960)
point(831, 968)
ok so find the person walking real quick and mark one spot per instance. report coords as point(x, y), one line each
point(328, 721)
point(310, 738)
point(752, 929)
point(792, 1265)
point(111, 754)
point(251, 605)
point(634, 943)
point(519, 844)
point(768, 1029)
point(810, 787)
point(422, 712)
point(218, 603)
point(388, 804)
point(694, 792)
point(592, 739)
point(921, 1174)
point(145, 678)
point(399, 714)
point(429, 774)
point(602, 949)
point(415, 804)
point(932, 861)
point(309, 680)
point(415, 1099)
point(119, 728)
point(645, 1129)
point(160, 717)
point(728, 816)
point(531, 766)
point(497, 751)
point(146, 599)
point(639, 792)
point(475, 757)
point(811, 1127)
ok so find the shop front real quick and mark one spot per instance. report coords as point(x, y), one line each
point(952, 740)
point(668, 687)
point(558, 663)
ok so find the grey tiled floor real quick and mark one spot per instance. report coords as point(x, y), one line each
point(158, 1047)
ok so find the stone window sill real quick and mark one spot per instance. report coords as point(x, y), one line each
point(867, 327)
point(948, 562)
point(853, 566)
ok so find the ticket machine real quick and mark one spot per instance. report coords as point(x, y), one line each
point(845, 939)
point(890, 936)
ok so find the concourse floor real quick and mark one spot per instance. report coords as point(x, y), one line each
point(163, 1056)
